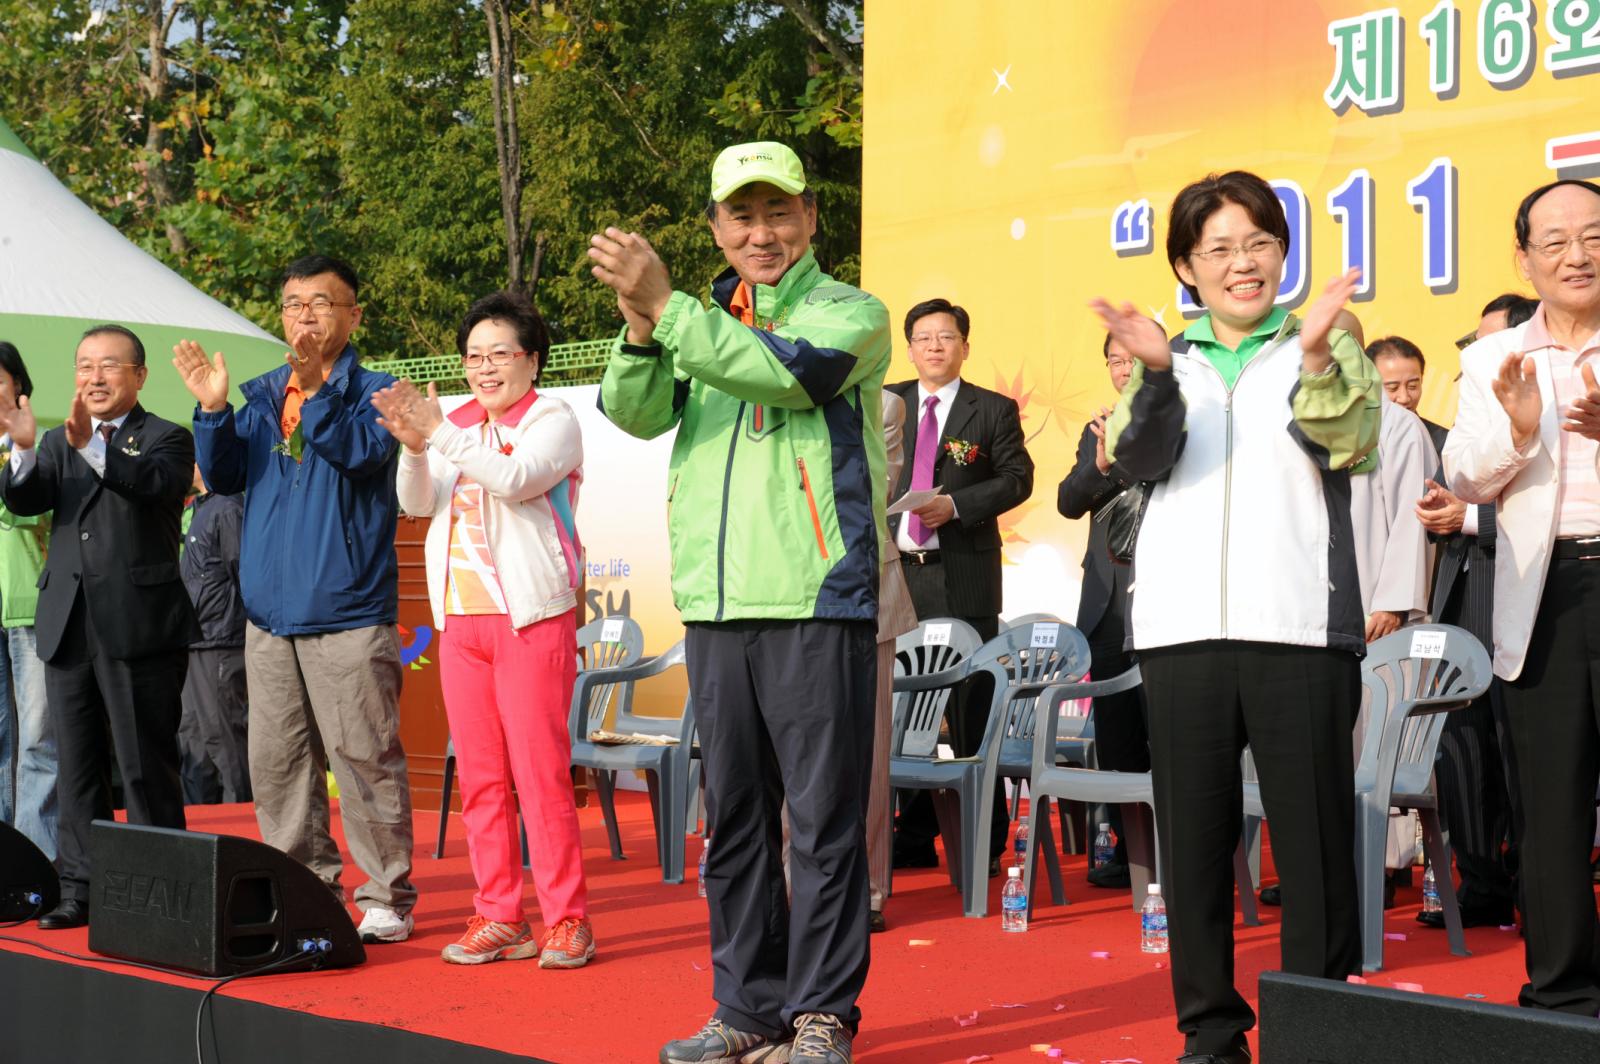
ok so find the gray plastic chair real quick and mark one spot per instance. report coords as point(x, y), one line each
point(1132, 790)
point(964, 786)
point(666, 767)
point(1410, 694)
point(595, 651)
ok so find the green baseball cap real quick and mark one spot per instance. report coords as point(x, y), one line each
point(762, 160)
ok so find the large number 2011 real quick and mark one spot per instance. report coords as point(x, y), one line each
point(1431, 193)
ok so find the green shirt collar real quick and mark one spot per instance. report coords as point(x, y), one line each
point(1201, 331)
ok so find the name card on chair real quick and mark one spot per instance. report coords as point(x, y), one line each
point(936, 635)
point(1427, 644)
point(611, 630)
point(1044, 634)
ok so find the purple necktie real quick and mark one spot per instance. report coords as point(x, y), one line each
point(922, 464)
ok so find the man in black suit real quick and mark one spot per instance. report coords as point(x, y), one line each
point(1474, 798)
point(1122, 740)
point(114, 621)
point(967, 442)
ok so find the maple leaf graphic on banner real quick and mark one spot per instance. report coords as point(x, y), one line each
point(1008, 521)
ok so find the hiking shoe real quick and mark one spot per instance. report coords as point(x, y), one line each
point(379, 924)
point(570, 944)
point(717, 1043)
point(490, 940)
point(820, 1039)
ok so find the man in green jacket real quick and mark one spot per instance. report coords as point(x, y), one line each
point(775, 524)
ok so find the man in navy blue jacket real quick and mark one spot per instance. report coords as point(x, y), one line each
point(317, 570)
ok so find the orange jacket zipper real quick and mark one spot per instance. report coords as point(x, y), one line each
point(816, 518)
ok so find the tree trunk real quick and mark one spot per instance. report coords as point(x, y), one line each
point(507, 139)
point(838, 48)
point(157, 88)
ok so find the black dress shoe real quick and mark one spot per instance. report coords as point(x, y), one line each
point(1473, 916)
point(909, 854)
point(1271, 896)
point(994, 867)
point(70, 913)
point(1241, 1055)
point(1112, 876)
point(876, 924)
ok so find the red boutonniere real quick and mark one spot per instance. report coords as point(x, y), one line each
point(960, 451)
point(506, 448)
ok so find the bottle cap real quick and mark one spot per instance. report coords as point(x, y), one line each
point(1105, 827)
point(1013, 872)
point(1153, 888)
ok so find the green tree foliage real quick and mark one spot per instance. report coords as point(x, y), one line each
point(365, 128)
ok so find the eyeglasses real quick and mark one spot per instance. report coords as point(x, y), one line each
point(496, 358)
point(319, 306)
point(1255, 251)
point(109, 369)
point(1554, 249)
point(1119, 363)
point(924, 339)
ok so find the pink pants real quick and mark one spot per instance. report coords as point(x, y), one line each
point(506, 694)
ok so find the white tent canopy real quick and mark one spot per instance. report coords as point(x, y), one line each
point(63, 268)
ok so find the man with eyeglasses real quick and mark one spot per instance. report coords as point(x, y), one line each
point(1122, 741)
point(114, 621)
point(966, 441)
point(318, 574)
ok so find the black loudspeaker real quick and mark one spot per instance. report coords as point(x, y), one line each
point(29, 886)
point(1318, 1021)
point(213, 904)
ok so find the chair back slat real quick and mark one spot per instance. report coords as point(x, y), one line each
point(933, 646)
point(1040, 652)
point(608, 643)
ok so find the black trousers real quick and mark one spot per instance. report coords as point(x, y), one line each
point(104, 707)
point(1121, 733)
point(1553, 718)
point(967, 715)
point(212, 738)
point(785, 714)
point(1295, 707)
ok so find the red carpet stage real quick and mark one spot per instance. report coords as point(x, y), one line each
point(942, 988)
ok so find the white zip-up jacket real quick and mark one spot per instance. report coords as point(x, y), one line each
point(1247, 532)
point(529, 496)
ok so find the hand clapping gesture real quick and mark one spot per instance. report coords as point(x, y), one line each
point(626, 263)
point(1517, 388)
point(79, 427)
point(206, 379)
point(17, 420)
point(1316, 354)
point(409, 416)
point(1141, 337)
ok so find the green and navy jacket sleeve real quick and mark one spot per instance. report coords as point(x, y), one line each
point(640, 393)
point(1145, 433)
point(1337, 413)
point(832, 339)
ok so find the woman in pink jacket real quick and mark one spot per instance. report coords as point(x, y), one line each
point(499, 476)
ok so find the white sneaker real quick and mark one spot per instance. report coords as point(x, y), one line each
point(384, 925)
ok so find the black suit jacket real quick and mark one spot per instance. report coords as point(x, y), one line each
point(1455, 553)
point(998, 479)
point(1082, 492)
point(115, 538)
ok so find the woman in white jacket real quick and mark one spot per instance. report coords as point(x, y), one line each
point(1246, 608)
point(499, 476)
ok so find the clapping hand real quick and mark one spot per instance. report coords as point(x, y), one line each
point(409, 416)
point(1139, 336)
point(1517, 388)
point(1439, 511)
point(1098, 427)
point(627, 264)
point(206, 379)
point(1315, 352)
point(305, 358)
point(1583, 417)
point(78, 427)
point(17, 419)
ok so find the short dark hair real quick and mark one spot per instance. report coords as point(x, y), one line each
point(316, 265)
point(11, 362)
point(517, 311)
point(118, 330)
point(1526, 206)
point(808, 196)
point(1105, 348)
point(1200, 200)
point(938, 306)
point(1395, 347)
point(1517, 308)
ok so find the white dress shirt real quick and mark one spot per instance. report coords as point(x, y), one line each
point(23, 459)
point(941, 413)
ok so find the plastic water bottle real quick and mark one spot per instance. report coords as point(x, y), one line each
point(1430, 892)
point(1019, 845)
point(1153, 921)
point(1014, 902)
point(705, 849)
point(1105, 847)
